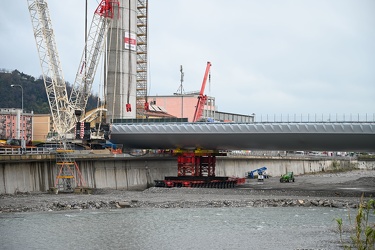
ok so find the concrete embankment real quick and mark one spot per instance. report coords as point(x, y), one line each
point(80, 202)
point(36, 173)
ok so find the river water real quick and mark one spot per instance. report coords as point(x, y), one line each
point(185, 228)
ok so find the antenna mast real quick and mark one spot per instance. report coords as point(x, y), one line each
point(181, 88)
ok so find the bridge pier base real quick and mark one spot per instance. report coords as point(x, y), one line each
point(197, 169)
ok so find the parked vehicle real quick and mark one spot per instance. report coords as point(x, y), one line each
point(261, 172)
point(288, 177)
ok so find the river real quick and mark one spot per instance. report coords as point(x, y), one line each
point(185, 228)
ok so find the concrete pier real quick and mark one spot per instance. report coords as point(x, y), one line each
point(36, 173)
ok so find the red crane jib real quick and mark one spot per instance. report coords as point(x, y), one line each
point(105, 8)
point(202, 98)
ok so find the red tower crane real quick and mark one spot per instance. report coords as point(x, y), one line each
point(202, 98)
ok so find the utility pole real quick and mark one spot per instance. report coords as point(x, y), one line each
point(182, 90)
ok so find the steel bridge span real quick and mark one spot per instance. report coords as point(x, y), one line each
point(332, 136)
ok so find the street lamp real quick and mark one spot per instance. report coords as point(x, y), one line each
point(17, 85)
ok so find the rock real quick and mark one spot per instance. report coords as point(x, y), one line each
point(315, 203)
point(124, 204)
point(353, 205)
point(250, 204)
point(327, 203)
point(300, 202)
point(337, 204)
point(307, 204)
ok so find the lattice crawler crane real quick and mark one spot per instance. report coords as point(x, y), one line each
point(95, 42)
point(65, 111)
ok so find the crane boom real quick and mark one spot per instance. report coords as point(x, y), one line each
point(63, 108)
point(49, 60)
point(96, 38)
point(202, 98)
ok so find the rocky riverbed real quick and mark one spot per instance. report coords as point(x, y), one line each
point(339, 190)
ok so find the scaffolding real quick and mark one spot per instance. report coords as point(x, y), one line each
point(141, 90)
point(69, 177)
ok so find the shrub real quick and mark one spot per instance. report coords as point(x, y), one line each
point(363, 234)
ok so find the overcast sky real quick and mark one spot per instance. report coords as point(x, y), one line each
point(268, 57)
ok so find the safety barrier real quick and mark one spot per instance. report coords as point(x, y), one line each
point(19, 151)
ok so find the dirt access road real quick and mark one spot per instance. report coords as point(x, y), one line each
point(323, 189)
point(345, 184)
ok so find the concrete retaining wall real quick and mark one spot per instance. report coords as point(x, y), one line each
point(25, 175)
point(125, 174)
point(278, 166)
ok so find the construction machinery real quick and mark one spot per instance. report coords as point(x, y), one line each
point(67, 111)
point(261, 172)
point(61, 110)
point(196, 169)
point(96, 37)
point(288, 177)
point(202, 98)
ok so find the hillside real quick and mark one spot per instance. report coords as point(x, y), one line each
point(34, 93)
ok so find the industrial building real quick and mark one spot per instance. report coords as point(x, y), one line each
point(184, 105)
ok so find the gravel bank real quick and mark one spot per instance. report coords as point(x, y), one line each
point(321, 190)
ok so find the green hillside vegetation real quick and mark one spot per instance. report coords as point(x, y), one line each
point(34, 93)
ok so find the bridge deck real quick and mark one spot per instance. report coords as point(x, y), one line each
point(358, 136)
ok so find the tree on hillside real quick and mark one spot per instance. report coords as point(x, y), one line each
point(34, 93)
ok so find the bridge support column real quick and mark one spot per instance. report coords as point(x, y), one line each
point(197, 169)
point(198, 163)
point(207, 165)
point(187, 164)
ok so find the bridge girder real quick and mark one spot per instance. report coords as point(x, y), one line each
point(355, 136)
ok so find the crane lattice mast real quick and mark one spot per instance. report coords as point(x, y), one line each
point(96, 38)
point(49, 60)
